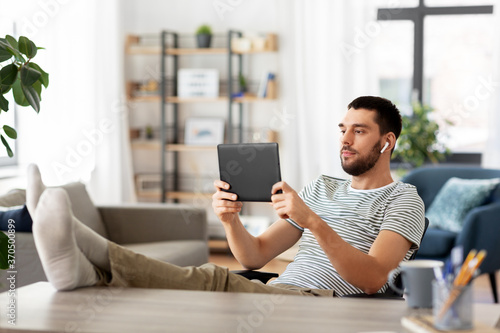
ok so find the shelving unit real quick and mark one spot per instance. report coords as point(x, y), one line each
point(169, 145)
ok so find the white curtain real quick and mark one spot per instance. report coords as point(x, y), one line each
point(112, 178)
point(79, 133)
point(322, 70)
point(491, 155)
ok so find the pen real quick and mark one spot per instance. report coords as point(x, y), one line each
point(457, 258)
point(449, 273)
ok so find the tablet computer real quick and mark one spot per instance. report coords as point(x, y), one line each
point(251, 169)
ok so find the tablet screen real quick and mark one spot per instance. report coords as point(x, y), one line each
point(251, 169)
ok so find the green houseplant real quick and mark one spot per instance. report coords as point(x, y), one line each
point(418, 141)
point(243, 83)
point(149, 132)
point(25, 79)
point(204, 36)
point(21, 75)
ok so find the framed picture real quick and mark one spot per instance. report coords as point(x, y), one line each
point(204, 131)
point(198, 83)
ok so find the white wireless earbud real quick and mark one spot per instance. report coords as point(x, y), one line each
point(385, 147)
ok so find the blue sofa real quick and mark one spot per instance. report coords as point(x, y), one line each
point(481, 229)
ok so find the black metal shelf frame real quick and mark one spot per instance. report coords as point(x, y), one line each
point(230, 88)
point(175, 106)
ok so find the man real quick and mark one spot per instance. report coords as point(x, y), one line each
point(353, 232)
point(329, 212)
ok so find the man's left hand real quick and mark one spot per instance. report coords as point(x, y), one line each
point(288, 204)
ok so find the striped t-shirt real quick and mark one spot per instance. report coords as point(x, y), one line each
point(357, 216)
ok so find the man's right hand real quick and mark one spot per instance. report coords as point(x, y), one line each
point(225, 204)
point(251, 252)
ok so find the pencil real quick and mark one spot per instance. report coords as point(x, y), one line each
point(464, 267)
point(466, 272)
point(475, 263)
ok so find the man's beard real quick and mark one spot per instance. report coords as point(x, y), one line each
point(362, 165)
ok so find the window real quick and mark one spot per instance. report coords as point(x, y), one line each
point(457, 69)
point(458, 63)
point(393, 63)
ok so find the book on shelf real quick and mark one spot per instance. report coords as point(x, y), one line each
point(267, 87)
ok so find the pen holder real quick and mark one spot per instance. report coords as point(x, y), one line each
point(452, 306)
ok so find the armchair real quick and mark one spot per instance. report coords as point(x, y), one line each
point(481, 225)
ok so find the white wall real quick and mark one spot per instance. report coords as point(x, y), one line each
point(187, 15)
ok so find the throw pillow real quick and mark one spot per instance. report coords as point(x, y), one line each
point(455, 199)
point(20, 216)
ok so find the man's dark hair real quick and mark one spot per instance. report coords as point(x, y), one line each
point(388, 117)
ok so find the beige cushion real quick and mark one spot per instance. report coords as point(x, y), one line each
point(14, 197)
point(84, 209)
point(82, 205)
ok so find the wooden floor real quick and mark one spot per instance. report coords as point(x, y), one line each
point(482, 288)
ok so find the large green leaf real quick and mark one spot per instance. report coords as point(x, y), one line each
point(4, 103)
point(27, 47)
point(19, 57)
point(4, 45)
point(32, 97)
point(11, 133)
point(4, 54)
point(4, 89)
point(19, 97)
point(38, 88)
point(44, 79)
point(7, 147)
point(29, 75)
point(12, 41)
point(8, 75)
point(4, 247)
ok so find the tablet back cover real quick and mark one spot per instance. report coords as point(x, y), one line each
point(250, 168)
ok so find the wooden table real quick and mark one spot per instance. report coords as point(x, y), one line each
point(41, 309)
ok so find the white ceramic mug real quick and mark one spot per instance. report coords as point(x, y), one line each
point(417, 277)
